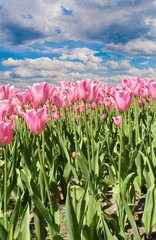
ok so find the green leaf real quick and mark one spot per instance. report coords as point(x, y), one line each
point(71, 220)
point(126, 183)
point(15, 214)
point(57, 238)
point(39, 205)
point(40, 230)
point(131, 219)
point(149, 214)
point(25, 231)
point(3, 232)
point(91, 210)
point(106, 230)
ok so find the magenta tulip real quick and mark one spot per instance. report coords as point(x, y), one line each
point(35, 120)
point(117, 120)
point(122, 100)
point(6, 133)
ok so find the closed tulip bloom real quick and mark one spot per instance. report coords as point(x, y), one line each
point(117, 120)
point(152, 89)
point(122, 100)
point(6, 133)
point(35, 120)
point(40, 92)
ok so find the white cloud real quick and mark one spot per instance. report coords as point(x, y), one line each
point(118, 65)
point(136, 47)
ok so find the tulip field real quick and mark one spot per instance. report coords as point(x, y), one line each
point(71, 145)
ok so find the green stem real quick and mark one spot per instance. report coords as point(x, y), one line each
point(51, 121)
point(5, 188)
point(129, 125)
point(136, 119)
point(96, 116)
point(88, 150)
point(92, 138)
point(120, 156)
point(44, 175)
point(75, 129)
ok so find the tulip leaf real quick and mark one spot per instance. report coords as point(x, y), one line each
point(149, 214)
point(131, 219)
point(41, 208)
point(71, 222)
point(3, 232)
point(25, 222)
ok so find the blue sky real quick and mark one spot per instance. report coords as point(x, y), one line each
point(71, 40)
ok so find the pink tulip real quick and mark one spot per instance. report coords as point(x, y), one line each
point(3, 111)
point(74, 155)
point(108, 102)
point(72, 94)
point(56, 116)
point(144, 92)
point(152, 89)
point(84, 89)
point(117, 120)
point(141, 103)
point(10, 106)
point(40, 92)
point(6, 133)
point(58, 100)
point(93, 105)
point(103, 116)
point(78, 118)
point(35, 120)
point(5, 92)
point(122, 100)
point(22, 98)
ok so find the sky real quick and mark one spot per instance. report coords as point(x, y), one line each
point(70, 40)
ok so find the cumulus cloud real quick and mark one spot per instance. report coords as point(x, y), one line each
point(101, 21)
point(138, 48)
